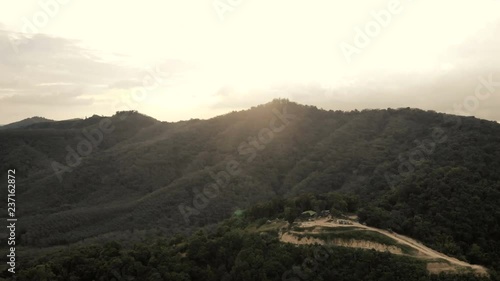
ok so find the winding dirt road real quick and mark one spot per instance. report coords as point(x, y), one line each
point(423, 251)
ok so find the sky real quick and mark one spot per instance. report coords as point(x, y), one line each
point(177, 60)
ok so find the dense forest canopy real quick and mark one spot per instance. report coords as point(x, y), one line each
point(231, 251)
point(427, 175)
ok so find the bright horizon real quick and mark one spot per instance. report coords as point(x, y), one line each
point(182, 120)
point(177, 60)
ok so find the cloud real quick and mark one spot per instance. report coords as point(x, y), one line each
point(444, 86)
point(430, 63)
point(40, 59)
point(72, 98)
point(126, 84)
point(44, 72)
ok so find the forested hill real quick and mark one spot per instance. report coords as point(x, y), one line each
point(25, 123)
point(431, 176)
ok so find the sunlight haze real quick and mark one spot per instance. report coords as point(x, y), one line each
point(91, 54)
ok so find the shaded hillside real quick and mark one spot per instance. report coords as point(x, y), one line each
point(148, 174)
point(242, 248)
point(25, 123)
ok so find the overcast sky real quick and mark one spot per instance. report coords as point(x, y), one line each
point(176, 60)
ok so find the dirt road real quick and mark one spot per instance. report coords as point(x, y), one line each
point(423, 251)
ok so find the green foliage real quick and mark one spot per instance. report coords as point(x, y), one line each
point(227, 254)
point(451, 209)
point(135, 179)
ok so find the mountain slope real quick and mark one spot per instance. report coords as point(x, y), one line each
point(238, 249)
point(146, 174)
point(25, 123)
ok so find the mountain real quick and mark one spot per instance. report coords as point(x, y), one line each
point(25, 123)
point(430, 176)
